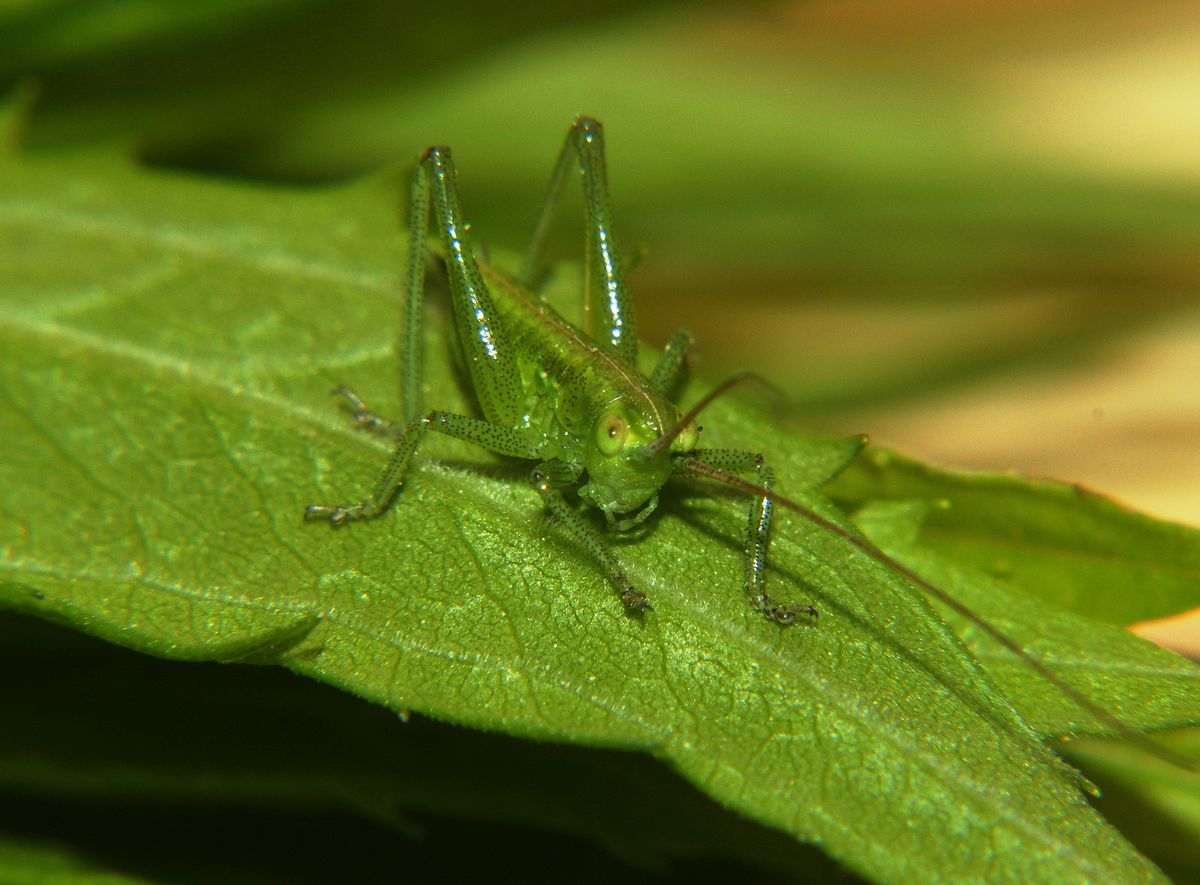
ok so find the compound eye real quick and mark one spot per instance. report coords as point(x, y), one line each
point(611, 433)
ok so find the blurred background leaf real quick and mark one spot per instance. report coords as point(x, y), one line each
point(997, 207)
point(1158, 810)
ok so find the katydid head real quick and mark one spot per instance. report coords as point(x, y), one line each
point(624, 472)
point(633, 453)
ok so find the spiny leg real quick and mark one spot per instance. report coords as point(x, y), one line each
point(493, 437)
point(757, 537)
point(366, 417)
point(671, 365)
point(490, 360)
point(608, 315)
point(385, 488)
point(547, 478)
point(487, 351)
point(412, 358)
point(758, 529)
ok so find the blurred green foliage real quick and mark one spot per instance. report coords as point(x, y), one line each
point(789, 170)
point(757, 168)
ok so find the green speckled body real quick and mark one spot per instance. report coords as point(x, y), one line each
point(570, 398)
point(567, 380)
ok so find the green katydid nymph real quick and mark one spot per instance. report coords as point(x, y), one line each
point(572, 398)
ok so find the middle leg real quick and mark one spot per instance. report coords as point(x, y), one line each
point(548, 478)
point(493, 437)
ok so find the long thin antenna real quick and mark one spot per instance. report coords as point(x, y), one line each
point(651, 449)
point(1084, 702)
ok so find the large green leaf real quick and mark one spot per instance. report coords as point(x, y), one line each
point(168, 347)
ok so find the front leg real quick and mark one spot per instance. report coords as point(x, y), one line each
point(630, 523)
point(547, 478)
point(758, 528)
